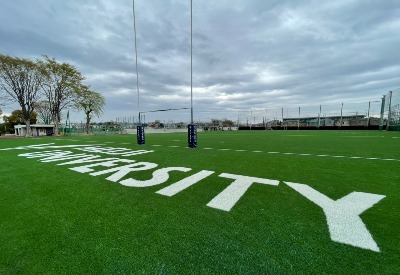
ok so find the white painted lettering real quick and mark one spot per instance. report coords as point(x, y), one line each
point(109, 163)
point(53, 153)
point(90, 158)
point(36, 146)
point(343, 215)
point(103, 150)
point(44, 146)
point(122, 171)
point(159, 176)
point(183, 184)
point(66, 157)
point(138, 152)
point(114, 151)
point(231, 195)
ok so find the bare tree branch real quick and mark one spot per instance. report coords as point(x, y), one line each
point(90, 102)
point(20, 81)
point(60, 85)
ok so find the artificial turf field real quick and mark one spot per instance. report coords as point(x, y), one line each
point(57, 220)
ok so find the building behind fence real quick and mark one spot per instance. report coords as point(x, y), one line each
point(383, 114)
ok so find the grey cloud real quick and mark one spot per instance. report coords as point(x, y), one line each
point(246, 54)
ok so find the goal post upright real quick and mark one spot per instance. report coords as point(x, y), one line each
point(192, 131)
point(191, 62)
point(140, 127)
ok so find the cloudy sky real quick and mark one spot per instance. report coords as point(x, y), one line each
point(247, 55)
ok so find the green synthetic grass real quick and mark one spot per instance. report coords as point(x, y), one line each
point(54, 220)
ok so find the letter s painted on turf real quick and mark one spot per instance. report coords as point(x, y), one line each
point(159, 176)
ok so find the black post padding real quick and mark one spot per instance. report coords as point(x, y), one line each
point(192, 136)
point(140, 135)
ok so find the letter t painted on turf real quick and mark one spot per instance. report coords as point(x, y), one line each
point(231, 195)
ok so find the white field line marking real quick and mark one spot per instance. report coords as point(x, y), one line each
point(174, 146)
point(333, 156)
point(294, 154)
point(362, 136)
point(156, 145)
point(298, 135)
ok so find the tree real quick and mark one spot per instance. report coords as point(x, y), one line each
point(2, 128)
point(16, 118)
point(215, 122)
point(90, 102)
point(20, 82)
point(227, 123)
point(60, 86)
point(43, 110)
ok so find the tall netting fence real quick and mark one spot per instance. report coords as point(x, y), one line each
point(383, 114)
point(158, 121)
point(391, 110)
point(356, 115)
point(95, 128)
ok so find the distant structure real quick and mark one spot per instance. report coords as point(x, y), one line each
point(37, 130)
point(339, 121)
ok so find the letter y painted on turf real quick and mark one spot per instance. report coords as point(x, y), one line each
point(343, 215)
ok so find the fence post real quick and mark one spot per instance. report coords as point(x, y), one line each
point(390, 110)
point(319, 116)
point(298, 121)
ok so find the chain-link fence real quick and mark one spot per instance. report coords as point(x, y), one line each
point(356, 115)
point(383, 114)
point(391, 110)
point(79, 128)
